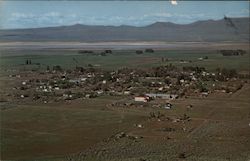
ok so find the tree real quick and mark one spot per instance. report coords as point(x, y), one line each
point(57, 68)
point(139, 52)
point(108, 51)
point(202, 87)
point(149, 50)
point(90, 65)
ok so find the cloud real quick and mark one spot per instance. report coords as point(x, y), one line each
point(240, 13)
point(162, 14)
point(60, 18)
point(189, 16)
point(22, 15)
point(51, 14)
point(247, 11)
point(41, 19)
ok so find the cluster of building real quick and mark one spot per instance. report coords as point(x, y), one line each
point(141, 85)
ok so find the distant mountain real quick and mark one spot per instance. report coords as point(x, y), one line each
point(227, 29)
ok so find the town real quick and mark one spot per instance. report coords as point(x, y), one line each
point(167, 83)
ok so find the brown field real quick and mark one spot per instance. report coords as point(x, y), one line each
point(218, 130)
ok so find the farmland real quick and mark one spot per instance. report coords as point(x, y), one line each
point(122, 58)
point(215, 127)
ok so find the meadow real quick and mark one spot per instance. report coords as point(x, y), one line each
point(68, 59)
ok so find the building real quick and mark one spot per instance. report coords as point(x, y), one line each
point(162, 96)
point(141, 99)
point(168, 106)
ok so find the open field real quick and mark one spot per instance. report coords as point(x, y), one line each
point(31, 131)
point(218, 130)
point(122, 58)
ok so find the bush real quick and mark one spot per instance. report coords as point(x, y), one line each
point(139, 52)
point(57, 68)
point(149, 50)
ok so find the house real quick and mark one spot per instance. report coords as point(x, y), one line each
point(141, 99)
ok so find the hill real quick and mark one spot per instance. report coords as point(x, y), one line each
point(227, 29)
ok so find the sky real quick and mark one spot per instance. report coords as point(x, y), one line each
point(34, 14)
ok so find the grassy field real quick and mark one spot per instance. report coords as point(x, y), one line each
point(119, 59)
point(34, 131)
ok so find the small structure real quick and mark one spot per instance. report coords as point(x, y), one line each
point(162, 96)
point(141, 99)
point(168, 106)
point(204, 94)
point(126, 92)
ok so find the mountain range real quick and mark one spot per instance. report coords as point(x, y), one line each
point(227, 29)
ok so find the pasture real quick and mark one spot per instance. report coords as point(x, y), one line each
point(68, 59)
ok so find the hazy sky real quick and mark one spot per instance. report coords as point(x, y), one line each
point(31, 14)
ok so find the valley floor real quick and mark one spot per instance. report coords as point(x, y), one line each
point(218, 129)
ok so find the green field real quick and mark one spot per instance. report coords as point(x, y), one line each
point(119, 59)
